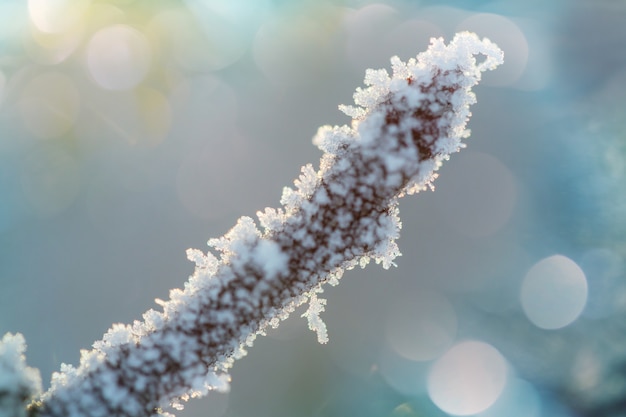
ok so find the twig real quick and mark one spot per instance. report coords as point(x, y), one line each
point(341, 216)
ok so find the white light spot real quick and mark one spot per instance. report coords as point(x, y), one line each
point(508, 36)
point(53, 16)
point(49, 105)
point(554, 292)
point(468, 378)
point(421, 326)
point(118, 57)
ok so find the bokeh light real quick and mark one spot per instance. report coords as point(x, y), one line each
point(54, 48)
point(118, 57)
point(421, 325)
point(468, 378)
point(54, 16)
point(103, 15)
point(554, 292)
point(138, 128)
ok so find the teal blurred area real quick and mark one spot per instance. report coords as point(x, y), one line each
point(131, 130)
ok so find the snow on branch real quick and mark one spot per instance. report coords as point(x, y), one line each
point(340, 216)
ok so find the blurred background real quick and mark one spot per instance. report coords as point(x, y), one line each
point(131, 130)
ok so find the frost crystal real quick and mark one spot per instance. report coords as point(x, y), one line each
point(18, 382)
point(404, 125)
point(316, 306)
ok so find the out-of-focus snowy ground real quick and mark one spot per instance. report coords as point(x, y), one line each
point(133, 130)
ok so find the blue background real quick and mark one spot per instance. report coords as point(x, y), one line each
point(102, 190)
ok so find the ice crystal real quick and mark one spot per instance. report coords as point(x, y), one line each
point(340, 216)
point(312, 314)
point(18, 382)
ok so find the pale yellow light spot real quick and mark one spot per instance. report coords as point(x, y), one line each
point(54, 16)
point(54, 48)
point(101, 15)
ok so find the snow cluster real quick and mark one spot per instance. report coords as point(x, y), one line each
point(340, 216)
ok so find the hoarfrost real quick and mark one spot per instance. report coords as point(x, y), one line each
point(346, 213)
point(312, 314)
point(307, 182)
point(270, 257)
point(333, 139)
point(18, 383)
point(271, 219)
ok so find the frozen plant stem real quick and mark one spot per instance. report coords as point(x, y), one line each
point(341, 216)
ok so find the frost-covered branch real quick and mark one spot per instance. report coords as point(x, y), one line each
point(342, 215)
